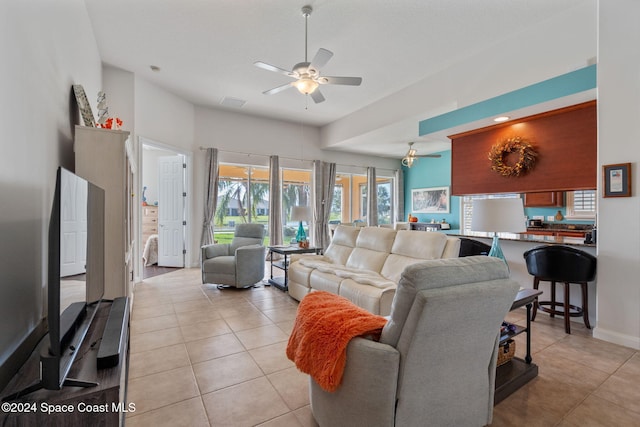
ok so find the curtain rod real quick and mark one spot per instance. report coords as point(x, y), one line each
point(288, 158)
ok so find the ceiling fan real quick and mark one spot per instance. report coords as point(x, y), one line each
point(307, 74)
point(412, 155)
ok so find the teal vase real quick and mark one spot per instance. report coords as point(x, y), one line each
point(301, 236)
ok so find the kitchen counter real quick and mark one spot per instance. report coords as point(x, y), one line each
point(530, 238)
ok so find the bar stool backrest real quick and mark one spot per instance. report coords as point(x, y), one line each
point(561, 264)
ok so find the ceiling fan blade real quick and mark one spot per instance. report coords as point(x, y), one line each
point(351, 81)
point(429, 155)
point(320, 60)
point(270, 67)
point(317, 96)
point(278, 89)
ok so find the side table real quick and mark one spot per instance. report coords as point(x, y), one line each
point(286, 251)
point(517, 372)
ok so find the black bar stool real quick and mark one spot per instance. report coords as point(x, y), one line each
point(564, 264)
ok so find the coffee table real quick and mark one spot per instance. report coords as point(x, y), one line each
point(282, 283)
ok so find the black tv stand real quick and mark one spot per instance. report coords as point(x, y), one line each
point(106, 386)
point(69, 382)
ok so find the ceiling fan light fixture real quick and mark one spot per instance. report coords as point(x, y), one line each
point(408, 160)
point(306, 85)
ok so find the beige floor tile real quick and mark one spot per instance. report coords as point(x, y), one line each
point(286, 420)
point(151, 311)
point(225, 371)
point(631, 368)
point(189, 413)
point(246, 404)
point(154, 361)
point(237, 309)
point(196, 305)
point(293, 387)
point(622, 391)
point(305, 416)
point(259, 337)
point(594, 353)
point(149, 299)
point(213, 347)
point(286, 326)
point(598, 412)
point(272, 358)
point(150, 324)
point(155, 339)
point(165, 388)
point(543, 395)
point(557, 368)
point(194, 294)
point(191, 317)
point(198, 331)
point(281, 314)
point(249, 320)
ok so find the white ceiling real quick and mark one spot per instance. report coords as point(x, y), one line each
point(206, 48)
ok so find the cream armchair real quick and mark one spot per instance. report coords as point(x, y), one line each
point(240, 263)
point(435, 363)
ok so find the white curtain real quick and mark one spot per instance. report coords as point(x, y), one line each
point(324, 181)
point(398, 196)
point(372, 197)
point(275, 202)
point(210, 195)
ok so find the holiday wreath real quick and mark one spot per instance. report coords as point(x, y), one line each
point(516, 144)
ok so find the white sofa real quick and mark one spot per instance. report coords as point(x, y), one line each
point(364, 264)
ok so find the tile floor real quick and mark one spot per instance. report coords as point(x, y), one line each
point(207, 357)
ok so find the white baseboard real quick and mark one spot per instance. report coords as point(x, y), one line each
point(617, 338)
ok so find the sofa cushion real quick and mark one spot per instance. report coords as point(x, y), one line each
point(325, 281)
point(343, 241)
point(376, 300)
point(410, 247)
point(372, 248)
point(419, 244)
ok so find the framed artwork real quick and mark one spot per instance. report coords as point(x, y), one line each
point(84, 106)
point(616, 180)
point(430, 200)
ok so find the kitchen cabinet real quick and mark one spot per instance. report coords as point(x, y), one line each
point(544, 199)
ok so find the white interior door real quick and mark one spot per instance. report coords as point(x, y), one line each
point(171, 211)
point(73, 225)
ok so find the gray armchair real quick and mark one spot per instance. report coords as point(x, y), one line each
point(240, 263)
point(435, 364)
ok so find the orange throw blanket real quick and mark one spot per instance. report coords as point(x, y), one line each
point(324, 325)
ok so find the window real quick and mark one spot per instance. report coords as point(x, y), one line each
point(581, 204)
point(350, 198)
point(243, 197)
point(296, 191)
point(466, 207)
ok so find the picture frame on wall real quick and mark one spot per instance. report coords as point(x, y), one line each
point(430, 200)
point(616, 180)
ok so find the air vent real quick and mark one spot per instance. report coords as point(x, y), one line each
point(232, 102)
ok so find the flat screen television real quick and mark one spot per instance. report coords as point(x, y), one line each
point(75, 277)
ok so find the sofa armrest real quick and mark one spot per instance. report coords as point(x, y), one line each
point(214, 250)
point(250, 264)
point(367, 395)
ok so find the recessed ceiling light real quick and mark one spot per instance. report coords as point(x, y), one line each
point(501, 119)
point(154, 68)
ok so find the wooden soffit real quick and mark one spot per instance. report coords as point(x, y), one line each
point(565, 141)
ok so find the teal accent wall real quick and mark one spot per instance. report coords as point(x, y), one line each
point(566, 84)
point(431, 172)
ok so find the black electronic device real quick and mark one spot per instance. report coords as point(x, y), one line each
point(75, 277)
